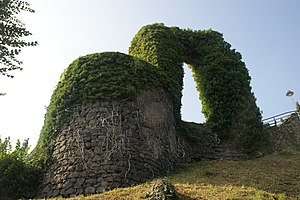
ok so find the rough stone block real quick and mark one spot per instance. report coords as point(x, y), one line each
point(89, 190)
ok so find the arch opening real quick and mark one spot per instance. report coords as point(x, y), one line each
point(221, 76)
point(155, 60)
point(191, 109)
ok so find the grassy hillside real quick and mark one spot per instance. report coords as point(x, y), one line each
point(274, 176)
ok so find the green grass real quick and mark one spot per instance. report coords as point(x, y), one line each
point(274, 176)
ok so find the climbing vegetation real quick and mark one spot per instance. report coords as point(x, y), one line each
point(192, 131)
point(221, 77)
point(159, 46)
point(96, 77)
point(155, 60)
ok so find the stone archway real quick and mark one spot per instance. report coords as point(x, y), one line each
point(191, 105)
point(113, 118)
point(222, 78)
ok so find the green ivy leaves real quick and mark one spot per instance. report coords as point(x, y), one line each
point(96, 77)
point(222, 78)
point(155, 59)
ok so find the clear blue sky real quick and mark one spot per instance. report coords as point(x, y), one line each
point(265, 32)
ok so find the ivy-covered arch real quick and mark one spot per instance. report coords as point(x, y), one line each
point(155, 60)
point(221, 77)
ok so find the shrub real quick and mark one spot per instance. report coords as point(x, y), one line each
point(18, 177)
point(192, 131)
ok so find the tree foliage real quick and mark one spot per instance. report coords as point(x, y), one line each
point(18, 177)
point(12, 31)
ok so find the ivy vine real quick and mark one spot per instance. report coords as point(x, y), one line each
point(155, 60)
point(221, 76)
point(96, 77)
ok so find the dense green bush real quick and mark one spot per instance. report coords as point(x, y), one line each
point(193, 132)
point(18, 177)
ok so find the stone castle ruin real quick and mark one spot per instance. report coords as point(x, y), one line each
point(114, 119)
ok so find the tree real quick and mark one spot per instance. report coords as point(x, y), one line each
point(12, 31)
point(19, 177)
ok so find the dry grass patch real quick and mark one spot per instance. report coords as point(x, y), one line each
point(278, 174)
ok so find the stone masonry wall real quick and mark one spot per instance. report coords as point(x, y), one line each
point(113, 144)
point(286, 134)
point(106, 145)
